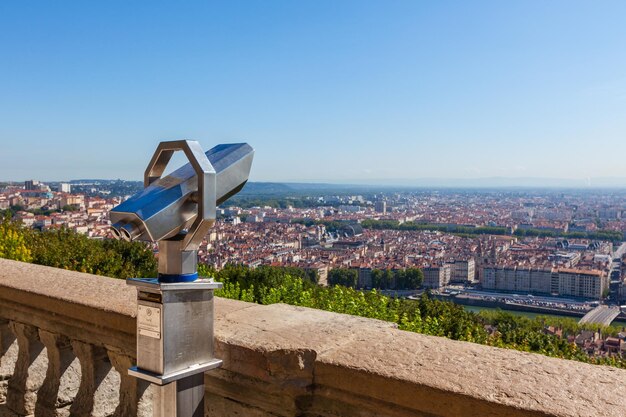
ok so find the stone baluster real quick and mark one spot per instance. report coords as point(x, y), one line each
point(135, 395)
point(60, 357)
point(8, 356)
point(93, 364)
point(6, 338)
point(29, 372)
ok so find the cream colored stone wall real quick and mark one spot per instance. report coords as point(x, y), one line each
point(69, 337)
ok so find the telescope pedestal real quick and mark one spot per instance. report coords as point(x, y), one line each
point(175, 342)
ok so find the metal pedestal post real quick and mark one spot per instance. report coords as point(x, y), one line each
point(175, 343)
point(182, 398)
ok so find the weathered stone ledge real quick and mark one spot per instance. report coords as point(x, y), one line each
point(289, 361)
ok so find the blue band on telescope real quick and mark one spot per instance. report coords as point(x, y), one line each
point(167, 278)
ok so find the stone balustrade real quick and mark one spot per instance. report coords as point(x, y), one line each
point(67, 339)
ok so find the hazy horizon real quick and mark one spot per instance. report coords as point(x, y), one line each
point(479, 182)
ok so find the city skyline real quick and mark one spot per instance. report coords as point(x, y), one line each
point(350, 92)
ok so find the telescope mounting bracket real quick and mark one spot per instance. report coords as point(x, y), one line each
point(206, 193)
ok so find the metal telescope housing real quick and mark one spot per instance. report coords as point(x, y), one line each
point(185, 199)
point(178, 210)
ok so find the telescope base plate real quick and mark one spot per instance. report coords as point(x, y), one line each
point(155, 284)
point(173, 376)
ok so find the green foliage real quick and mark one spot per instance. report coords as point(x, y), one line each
point(275, 202)
point(267, 285)
point(384, 279)
point(466, 231)
point(610, 235)
point(12, 242)
point(343, 276)
point(381, 224)
point(449, 228)
point(66, 249)
point(10, 212)
point(400, 279)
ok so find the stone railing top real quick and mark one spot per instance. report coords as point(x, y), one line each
point(74, 287)
point(364, 358)
point(97, 310)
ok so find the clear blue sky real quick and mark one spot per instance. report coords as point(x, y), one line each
point(338, 91)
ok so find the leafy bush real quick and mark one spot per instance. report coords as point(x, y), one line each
point(12, 243)
point(66, 249)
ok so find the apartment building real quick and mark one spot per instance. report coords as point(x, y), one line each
point(463, 271)
point(517, 279)
point(563, 282)
point(436, 276)
point(582, 283)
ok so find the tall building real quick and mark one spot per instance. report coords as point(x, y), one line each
point(65, 187)
point(381, 207)
point(31, 185)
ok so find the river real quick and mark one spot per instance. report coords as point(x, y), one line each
point(530, 315)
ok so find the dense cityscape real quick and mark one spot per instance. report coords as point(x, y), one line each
point(519, 241)
point(541, 251)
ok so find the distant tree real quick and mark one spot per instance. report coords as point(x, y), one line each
point(388, 279)
point(400, 279)
point(412, 278)
point(377, 278)
point(343, 276)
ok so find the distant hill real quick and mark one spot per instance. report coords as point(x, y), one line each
point(254, 188)
point(520, 182)
point(99, 181)
point(302, 188)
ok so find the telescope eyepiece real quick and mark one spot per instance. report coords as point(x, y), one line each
point(115, 230)
point(129, 232)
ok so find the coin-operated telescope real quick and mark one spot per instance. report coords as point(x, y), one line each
point(175, 310)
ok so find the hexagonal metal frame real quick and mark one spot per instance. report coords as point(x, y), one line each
point(206, 197)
